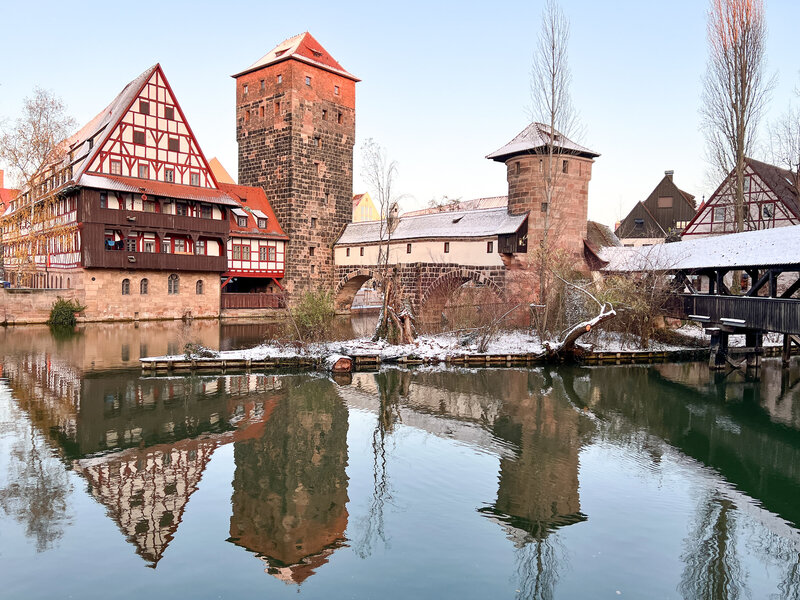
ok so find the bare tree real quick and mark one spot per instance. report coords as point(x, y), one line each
point(784, 141)
point(380, 173)
point(736, 88)
point(34, 148)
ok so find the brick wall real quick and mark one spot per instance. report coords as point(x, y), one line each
point(296, 142)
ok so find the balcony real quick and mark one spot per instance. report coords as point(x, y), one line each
point(253, 301)
point(151, 221)
point(120, 259)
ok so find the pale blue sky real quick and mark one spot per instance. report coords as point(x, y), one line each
point(443, 83)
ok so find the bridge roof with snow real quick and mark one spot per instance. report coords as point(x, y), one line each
point(451, 224)
point(764, 248)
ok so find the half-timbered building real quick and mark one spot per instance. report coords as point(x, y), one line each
point(770, 200)
point(131, 217)
point(256, 252)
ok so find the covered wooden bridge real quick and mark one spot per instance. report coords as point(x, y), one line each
point(766, 265)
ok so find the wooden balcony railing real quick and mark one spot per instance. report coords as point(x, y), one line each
point(147, 220)
point(253, 301)
point(120, 259)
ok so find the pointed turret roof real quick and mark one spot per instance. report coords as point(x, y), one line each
point(302, 47)
point(534, 139)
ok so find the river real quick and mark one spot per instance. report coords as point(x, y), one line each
point(664, 481)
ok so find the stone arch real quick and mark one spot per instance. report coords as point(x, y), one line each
point(435, 297)
point(349, 285)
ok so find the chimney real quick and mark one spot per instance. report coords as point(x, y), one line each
point(669, 174)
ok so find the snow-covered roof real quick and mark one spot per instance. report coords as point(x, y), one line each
point(777, 246)
point(477, 203)
point(460, 224)
point(536, 136)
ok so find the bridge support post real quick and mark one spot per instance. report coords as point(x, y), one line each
point(786, 355)
point(754, 341)
point(719, 348)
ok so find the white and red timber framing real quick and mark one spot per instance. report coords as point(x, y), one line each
point(130, 219)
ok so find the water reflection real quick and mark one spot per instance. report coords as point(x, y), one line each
point(142, 446)
point(290, 486)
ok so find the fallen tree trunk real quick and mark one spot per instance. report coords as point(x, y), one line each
point(567, 343)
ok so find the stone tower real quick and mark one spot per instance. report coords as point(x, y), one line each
point(295, 126)
point(526, 158)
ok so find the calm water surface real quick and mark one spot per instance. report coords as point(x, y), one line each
point(661, 481)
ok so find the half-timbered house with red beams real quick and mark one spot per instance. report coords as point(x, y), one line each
point(138, 222)
point(770, 198)
point(256, 252)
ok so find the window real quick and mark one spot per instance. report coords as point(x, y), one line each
point(116, 167)
point(247, 115)
point(143, 287)
point(144, 171)
point(169, 113)
point(280, 78)
point(245, 252)
point(638, 223)
point(311, 250)
point(664, 202)
point(362, 250)
point(541, 165)
point(172, 285)
point(336, 90)
point(169, 175)
point(408, 248)
point(126, 287)
point(237, 252)
point(103, 200)
point(205, 211)
point(138, 137)
point(489, 247)
point(262, 223)
point(261, 83)
point(149, 206)
point(130, 244)
point(347, 251)
point(198, 287)
point(318, 142)
point(241, 221)
point(316, 168)
point(244, 90)
point(544, 207)
point(339, 118)
point(767, 211)
point(144, 107)
point(180, 245)
point(173, 144)
point(194, 179)
point(277, 108)
point(149, 246)
point(272, 254)
point(324, 114)
point(166, 246)
point(746, 187)
point(181, 209)
point(565, 166)
point(262, 253)
point(200, 247)
point(446, 247)
point(313, 222)
point(517, 167)
point(261, 111)
point(308, 80)
point(719, 214)
point(313, 268)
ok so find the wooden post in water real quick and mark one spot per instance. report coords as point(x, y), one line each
point(719, 348)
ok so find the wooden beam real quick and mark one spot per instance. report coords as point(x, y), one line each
point(753, 291)
point(792, 288)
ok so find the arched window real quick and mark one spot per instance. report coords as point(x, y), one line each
point(143, 286)
point(172, 284)
point(126, 287)
point(69, 283)
point(198, 287)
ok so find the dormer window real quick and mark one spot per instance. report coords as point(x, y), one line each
point(262, 223)
point(279, 53)
point(241, 221)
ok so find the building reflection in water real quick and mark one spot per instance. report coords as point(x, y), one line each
point(290, 484)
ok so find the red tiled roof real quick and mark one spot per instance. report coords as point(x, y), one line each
point(302, 47)
point(357, 198)
point(253, 199)
point(156, 188)
point(6, 196)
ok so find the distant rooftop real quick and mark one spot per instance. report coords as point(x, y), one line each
point(476, 204)
point(534, 140)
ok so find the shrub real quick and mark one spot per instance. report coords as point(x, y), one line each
point(62, 313)
point(314, 314)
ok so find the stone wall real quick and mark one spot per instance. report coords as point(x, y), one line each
point(21, 306)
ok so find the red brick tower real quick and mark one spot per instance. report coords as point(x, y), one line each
point(526, 162)
point(295, 125)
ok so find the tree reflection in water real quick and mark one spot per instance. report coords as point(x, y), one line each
point(712, 568)
point(35, 486)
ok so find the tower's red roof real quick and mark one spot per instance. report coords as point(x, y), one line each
point(302, 47)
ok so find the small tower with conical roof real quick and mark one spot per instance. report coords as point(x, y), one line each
point(526, 159)
point(295, 126)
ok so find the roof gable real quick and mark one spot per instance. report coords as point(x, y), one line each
point(649, 228)
point(302, 47)
point(144, 129)
point(253, 203)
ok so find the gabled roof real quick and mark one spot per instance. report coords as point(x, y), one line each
point(476, 204)
point(459, 224)
point(534, 140)
point(253, 203)
point(781, 181)
point(302, 47)
point(220, 173)
point(600, 236)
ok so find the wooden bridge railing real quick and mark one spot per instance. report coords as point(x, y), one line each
point(253, 301)
point(780, 315)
